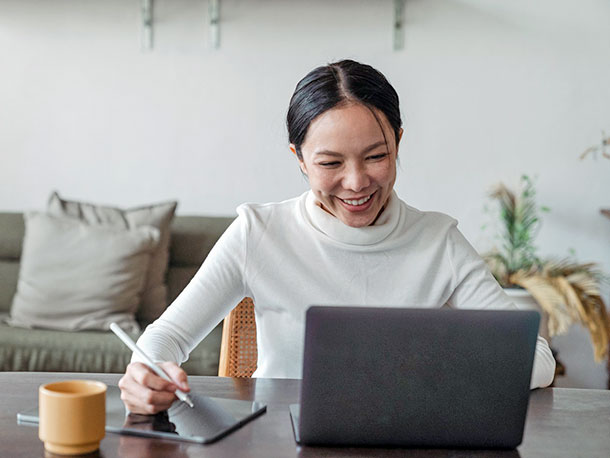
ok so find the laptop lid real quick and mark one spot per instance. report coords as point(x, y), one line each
point(415, 377)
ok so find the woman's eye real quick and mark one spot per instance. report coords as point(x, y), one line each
point(376, 157)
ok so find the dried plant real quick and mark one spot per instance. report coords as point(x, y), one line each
point(567, 291)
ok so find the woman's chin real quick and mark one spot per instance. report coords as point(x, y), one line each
point(357, 220)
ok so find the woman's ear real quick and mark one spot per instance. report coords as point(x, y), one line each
point(293, 148)
point(400, 132)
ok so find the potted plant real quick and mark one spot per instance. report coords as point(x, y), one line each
point(567, 292)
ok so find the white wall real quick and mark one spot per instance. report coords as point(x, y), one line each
point(489, 90)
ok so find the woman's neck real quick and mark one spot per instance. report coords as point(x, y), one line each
point(332, 227)
point(321, 205)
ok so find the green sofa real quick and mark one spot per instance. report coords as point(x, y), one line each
point(192, 238)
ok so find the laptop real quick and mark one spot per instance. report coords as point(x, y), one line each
point(402, 377)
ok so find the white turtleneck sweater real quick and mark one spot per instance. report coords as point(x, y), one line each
point(289, 255)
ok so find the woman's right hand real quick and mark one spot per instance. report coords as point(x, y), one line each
point(144, 392)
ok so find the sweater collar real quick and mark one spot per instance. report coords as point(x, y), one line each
point(333, 228)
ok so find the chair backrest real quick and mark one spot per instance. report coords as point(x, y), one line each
point(238, 350)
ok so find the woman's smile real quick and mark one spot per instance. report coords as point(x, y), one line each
point(357, 203)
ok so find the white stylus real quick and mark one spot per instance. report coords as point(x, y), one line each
point(149, 362)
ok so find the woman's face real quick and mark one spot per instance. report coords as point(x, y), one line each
point(350, 168)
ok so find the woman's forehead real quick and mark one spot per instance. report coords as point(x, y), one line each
point(346, 127)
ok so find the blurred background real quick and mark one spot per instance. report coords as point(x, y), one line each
point(490, 90)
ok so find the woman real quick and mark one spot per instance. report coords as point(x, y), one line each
point(349, 240)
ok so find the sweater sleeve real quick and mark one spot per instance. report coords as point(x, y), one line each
point(476, 288)
point(213, 292)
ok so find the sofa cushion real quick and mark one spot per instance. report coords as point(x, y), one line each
point(9, 272)
point(87, 351)
point(193, 237)
point(11, 235)
point(75, 276)
point(154, 296)
point(12, 228)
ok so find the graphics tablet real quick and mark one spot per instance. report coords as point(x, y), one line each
point(210, 419)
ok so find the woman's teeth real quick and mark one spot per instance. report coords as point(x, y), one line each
point(357, 202)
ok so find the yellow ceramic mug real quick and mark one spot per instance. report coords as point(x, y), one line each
point(72, 416)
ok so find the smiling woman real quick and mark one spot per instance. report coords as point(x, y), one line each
point(349, 240)
point(344, 126)
point(350, 166)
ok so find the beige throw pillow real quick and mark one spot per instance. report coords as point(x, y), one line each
point(154, 296)
point(74, 276)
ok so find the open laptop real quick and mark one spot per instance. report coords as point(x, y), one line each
point(415, 377)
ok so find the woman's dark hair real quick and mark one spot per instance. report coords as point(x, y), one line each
point(335, 84)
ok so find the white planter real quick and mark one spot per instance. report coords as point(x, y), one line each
point(525, 301)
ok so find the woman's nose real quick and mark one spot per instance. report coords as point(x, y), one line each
point(356, 179)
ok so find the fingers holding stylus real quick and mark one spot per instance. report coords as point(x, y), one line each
point(177, 374)
point(146, 377)
point(144, 392)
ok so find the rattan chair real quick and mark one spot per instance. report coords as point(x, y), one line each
point(238, 350)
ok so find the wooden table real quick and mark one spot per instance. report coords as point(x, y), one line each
point(560, 423)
